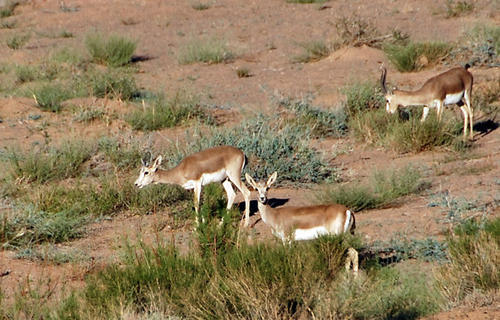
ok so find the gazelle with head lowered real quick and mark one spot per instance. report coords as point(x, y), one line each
point(304, 223)
point(451, 87)
point(220, 164)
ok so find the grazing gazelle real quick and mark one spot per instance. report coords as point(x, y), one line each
point(218, 164)
point(304, 223)
point(451, 87)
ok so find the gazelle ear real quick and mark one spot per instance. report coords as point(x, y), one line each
point(272, 179)
point(157, 162)
point(250, 180)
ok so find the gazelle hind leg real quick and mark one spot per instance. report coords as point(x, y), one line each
point(425, 113)
point(465, 112)
point(230, 193)
point(352, 258)
point(197, 196)
point(471, 113)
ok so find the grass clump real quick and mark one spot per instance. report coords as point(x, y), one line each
point(383, 190)
point(49, 163)
point(243, 72)
point(458, 8)
point(321, 123)
point(8, 9)
point(314, 50)
point(114, 51)
point(200, 6)
point(414, 56)
point(362, 97)
point(165, 112)
point(271, 145)
point(122, 154)
point(7, 24)
point(474, 253)
point(49, 97)
point(208, 50)
point(116, 83)
point(88, 115)
point(18, 41)
point(482, 45)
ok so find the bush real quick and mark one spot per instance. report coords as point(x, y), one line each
point(118, 84)
point(207, 50)
point(482, 45)
point(48, 164)
point(414, 56)
point(122, 154)
point(17, 41)
point(8, 9)
point(270, 145)
point(314, 50)
point(166, 112)
point(474, 253)
point(115, 51)
point(49, 97)
point(361, 97)
point(384, 189)
point(321, 123)
point(459, 8)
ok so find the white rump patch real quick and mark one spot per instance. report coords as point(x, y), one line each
point(308, 234)
point(453, 98)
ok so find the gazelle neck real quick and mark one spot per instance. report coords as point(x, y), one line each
point(408, 98)
point(265, 212)
point(169, 176)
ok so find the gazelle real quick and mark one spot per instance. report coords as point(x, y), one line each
point(220, 164)
point(451, 87)
point(305, 223)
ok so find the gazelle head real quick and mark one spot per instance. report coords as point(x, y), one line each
point(261, 186)
point(391, 105)
point(148, 172)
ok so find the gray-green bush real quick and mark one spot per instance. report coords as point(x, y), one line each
point(207, 50)
point(270, 145)
point(414, 56)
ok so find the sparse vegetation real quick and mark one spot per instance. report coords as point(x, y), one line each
point(8, 9)
point(458, 8)
point(116, 83)
point(18, 41)
point(207, 50)
point(49, 163)
point(355, 31)
point(114, 51)
point(384, 189)
point(7, 24)
point(200, 5)
point(482, 45)
point(320, 122)
point(312, 51)
point(88, 115)
point(165, 112)
point(414, 56)
point(306, 1)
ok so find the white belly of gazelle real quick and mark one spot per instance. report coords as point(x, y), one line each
point(308, 234)
point(206, 178)
point(453, 98)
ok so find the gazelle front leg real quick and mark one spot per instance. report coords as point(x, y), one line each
point(230, 193)
point(197, 196)
point(352, 257)
point(465, 112)
point(424, 114)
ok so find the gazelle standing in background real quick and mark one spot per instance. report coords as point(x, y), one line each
point(451, 87)
point(305, 223)
point(219, 164)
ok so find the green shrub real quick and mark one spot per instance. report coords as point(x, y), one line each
point(459, 8)
point(28, 226)
point(481, 44)
point(8, 9)
point(166, 112)
point(362, 97)
point(200, 6)
point(321, 123)
point(113, 51)
point(124, 155)
point(51, 163)
point(270, 145)
point(207, 50)
point(49, 97)
point(414, 56)
point(474, 253)
point(384, 189)
point(117, 83)
point(26, 73)
point(18, 41)
point(314, 50)
point(243, 73)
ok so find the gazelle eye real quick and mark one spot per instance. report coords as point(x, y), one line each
point(145, 173)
